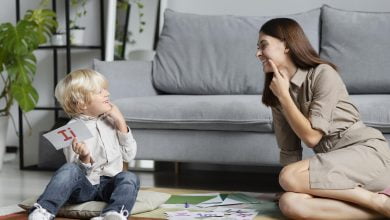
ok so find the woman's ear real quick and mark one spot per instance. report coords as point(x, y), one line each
point(286, 49)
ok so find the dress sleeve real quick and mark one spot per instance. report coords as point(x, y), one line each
point(326, 87)
point(288, 141)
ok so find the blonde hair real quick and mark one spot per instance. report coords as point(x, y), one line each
point(75, 90)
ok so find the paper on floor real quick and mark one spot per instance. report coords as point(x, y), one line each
point(219, 213)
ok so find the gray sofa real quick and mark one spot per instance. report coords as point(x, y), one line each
point(200, 98)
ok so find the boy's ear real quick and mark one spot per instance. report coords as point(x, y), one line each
point(82, 106)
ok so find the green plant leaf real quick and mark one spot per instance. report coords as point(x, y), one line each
point(22, 70)
point(79, 5)
point(45, 22)
point(140, 5)
point(122, 5)
point(26, 96)
point(26, 37)
point(74, 2)
point(17, 60)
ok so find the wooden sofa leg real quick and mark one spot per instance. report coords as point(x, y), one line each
point(125, 166)
point(177, 168)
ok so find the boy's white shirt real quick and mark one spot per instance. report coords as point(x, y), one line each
point(108, 147)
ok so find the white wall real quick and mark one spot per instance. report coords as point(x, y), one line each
point(43, 120)
point(271, 7)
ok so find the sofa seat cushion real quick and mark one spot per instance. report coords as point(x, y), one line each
point(374, 110)
point(213, 112)
point(215, 54)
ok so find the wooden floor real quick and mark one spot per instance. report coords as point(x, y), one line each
point(16, 185)
point(23, 216)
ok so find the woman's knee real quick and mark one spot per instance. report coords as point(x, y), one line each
point(292, 205)
point(291, 179)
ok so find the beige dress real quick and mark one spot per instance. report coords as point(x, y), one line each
point(350, 154)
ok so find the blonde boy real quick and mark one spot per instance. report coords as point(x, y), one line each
point(94, 168)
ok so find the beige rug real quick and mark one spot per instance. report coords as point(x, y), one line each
point(268, 210)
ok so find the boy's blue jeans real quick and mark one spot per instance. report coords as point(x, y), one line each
point(70, 185)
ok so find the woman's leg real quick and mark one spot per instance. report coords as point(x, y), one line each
point(295, 178)
point(305, 206)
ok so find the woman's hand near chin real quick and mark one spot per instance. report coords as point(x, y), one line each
point(280, 83)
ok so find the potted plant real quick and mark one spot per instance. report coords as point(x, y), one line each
point(18, 63)
point(123, 35)
point(76, 31)
point(58, 38)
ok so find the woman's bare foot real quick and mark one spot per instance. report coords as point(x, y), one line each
point(382, 202)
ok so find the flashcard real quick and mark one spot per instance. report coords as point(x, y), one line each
point(184, 213)
point(229, 211)
point(243, 216)
point(63, 136)
point(208, 214)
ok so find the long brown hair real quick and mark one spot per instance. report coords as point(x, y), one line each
point(301, 52)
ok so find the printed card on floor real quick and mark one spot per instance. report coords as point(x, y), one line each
point(63, 136)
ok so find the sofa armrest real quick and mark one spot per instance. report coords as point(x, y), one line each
point(127, 78)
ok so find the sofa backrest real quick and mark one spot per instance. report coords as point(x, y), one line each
point(359, 44)
point(210, 55)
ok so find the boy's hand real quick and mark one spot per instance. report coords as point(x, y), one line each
point(120, 122)
point(81, 149)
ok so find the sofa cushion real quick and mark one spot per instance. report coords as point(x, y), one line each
point(131, 78)
point(222, 112)
point(374, 110)
point(146, 201)
point(358, 43)
point(203, 54)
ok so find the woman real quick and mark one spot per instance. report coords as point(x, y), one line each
point(310, 103)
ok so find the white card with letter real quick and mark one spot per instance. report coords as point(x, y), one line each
point(63, 136)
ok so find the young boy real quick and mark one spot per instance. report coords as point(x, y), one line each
point(94, 168)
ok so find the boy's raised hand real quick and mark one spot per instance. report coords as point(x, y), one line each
point(120, 122)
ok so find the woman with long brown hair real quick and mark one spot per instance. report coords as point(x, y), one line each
point(310, 103)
